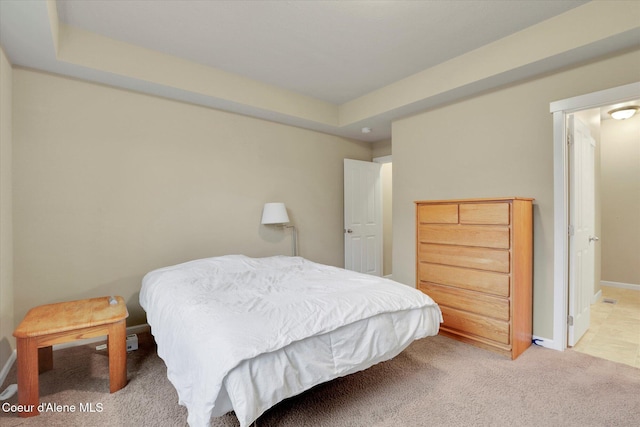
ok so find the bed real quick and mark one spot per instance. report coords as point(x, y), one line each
point(242, 334)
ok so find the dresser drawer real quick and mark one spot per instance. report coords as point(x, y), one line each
point(473, 257)
point(484, 213)
point(438, 214)
point(464, 256)
point(486, 236)
point(473, 280)
point(473, 302)
point(485, 327)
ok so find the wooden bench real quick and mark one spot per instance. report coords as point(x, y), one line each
point(50, 324)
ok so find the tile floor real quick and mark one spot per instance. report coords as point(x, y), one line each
point(614, 333)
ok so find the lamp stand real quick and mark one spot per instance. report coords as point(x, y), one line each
point(294, 239)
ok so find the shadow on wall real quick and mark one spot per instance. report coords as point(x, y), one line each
point(5, 349)
point(122, 287)
point(272, 233)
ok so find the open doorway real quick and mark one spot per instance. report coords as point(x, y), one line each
point(368, 213)
point(615, 297)
point(386, 181)
point(596, 104)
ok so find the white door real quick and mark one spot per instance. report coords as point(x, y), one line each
point(581, 227)
point(362, 217)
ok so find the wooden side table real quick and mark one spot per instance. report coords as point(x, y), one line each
point(50, 324)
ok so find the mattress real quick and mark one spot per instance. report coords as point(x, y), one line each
point(242, 334)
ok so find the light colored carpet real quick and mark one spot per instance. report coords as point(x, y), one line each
point(435, 382)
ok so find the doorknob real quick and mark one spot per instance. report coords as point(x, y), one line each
point(593, 239)
point(348, 230)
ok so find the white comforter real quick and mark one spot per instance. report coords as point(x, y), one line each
point(236, 332)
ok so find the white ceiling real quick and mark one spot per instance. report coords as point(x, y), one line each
point(331, 50)
point(334, 52)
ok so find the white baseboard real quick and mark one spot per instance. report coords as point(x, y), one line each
point(7, 366)
point(596, 297)
point(137, 329)
point(620, 285)
point(546, 343)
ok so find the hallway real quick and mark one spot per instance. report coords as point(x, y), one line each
point(614, 333)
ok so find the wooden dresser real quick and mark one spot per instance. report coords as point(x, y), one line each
point(474, 258)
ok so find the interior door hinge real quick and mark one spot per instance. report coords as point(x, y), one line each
point(569, 139)
point(571, 230)
point(570, 320)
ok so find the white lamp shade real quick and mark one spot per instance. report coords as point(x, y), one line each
point(274, 213)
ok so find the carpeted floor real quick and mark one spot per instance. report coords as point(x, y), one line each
point(435, 382)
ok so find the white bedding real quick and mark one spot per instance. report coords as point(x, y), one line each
point(242, 334)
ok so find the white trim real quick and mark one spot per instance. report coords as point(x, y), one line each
point(596, 297)
point(139, 329)
point(560, 232)
point(544, 342)
point(631, 286)
point(597, 99)
point(7, 366)
point(383, 159)
point(560, 109)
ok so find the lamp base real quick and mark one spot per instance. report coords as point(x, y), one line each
point(294, 239)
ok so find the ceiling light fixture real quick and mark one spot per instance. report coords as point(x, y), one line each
point(623, 113)
point(366, 130)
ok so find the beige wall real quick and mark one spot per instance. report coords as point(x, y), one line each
point(496, 144)
point(7, 341)
point(381, 148)
point(110, 184)
point(620, 235)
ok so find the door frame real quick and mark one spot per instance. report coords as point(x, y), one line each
point(384, 160)
point(560, 110)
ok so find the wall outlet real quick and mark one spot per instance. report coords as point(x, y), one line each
point(132, 342)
